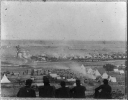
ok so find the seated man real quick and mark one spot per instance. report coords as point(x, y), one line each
point(63, 92)
point(27, 91)
point(105, 91)
point(78, 91)
point(46, 91)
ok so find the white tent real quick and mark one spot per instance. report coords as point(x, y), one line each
point(53, 75)
point(116, 70)
point(49, 72)
point(71, 79)
point(117, 66)
point(83, 69)
point(5, 79)
point(88, 56)
point(58, 78)
point(20, 55)
point(35, 69)
point(89, 71)
point(40, 84)
point(109, 79)
point(122, 65)
point(97, 73)
point(63, 77)
point(105, 76)
point(121, 71)
point(16, 73)
point(32, 78)
point(112, 79)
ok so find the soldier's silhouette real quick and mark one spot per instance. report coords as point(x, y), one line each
point(63, 91)
point(27, 91)
point(78, 91)
point(105, 91)
point(46, 91)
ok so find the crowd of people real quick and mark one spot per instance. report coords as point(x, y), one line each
point(48, 91)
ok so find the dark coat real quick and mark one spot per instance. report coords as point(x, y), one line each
point(46, 91)
point(105, 92)
point(26, 92)
point(78, 92)
point(63, 92)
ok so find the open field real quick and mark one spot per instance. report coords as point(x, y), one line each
point(62, 47)
point(11, 63)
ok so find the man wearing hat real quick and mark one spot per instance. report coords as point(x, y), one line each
point(78, 91)
point(27, 91)
point(46, 91)
point(63, 91)
point(105, 91)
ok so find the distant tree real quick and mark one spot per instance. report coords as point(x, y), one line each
point(109, 67)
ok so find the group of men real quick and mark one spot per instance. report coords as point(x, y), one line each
point(48, 91)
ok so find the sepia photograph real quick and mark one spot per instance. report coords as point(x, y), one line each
point(58, 49)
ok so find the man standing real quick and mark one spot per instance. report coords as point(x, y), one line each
point(27, 91)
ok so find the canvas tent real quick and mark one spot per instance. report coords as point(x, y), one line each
point(109, 79)
point(20, 55)
point(105, 76)
point(5, 79)
point(116, 70)
point(101, 70)
point(58, 77)
point(117, 66)
point(112, 79)
point(83, 69)
point(90, 71)
point(49, 72)
point(32, 78)
point(71, 79)
point(121, 71)
point(35, 69)
point(97, 73)
point(40, 84)
point(63, 77)
point(53, 75)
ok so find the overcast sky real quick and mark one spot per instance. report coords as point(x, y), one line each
point(63, 20)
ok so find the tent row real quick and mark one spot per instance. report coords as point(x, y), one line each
point(119, 71)
point(93, 74)
point(88, 72)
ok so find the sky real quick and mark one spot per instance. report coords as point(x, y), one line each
point(63, 21)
